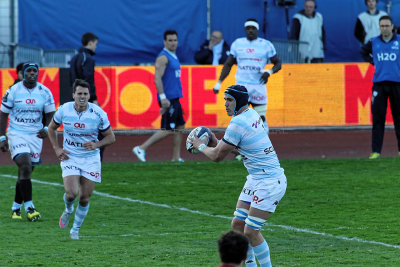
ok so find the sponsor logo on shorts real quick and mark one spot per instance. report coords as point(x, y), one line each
point(247, 192)
point(35, 155)
point(70, 167)
point(94, 174)
point(19, 146)
point(257, 200)
point(258, 98)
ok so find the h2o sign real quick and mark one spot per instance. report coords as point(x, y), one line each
point(386, 56)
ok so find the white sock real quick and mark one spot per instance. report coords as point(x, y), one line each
point(80, 215)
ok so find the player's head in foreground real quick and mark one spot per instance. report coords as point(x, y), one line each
point(232, 247)
point(236, 99)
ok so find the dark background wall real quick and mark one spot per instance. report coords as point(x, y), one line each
point(130, 31)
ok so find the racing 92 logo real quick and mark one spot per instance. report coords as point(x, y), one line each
point(35, 155)
point(386, 56)
point(30, 101)
point(95, 174)
point(79, 125)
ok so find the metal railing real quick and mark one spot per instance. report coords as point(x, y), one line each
point(26, 53)
point(58, 57)
point(4, 55)
point(13, 54)
point(288, 50)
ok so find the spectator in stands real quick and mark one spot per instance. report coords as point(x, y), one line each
point(367, 25)
point(214, 51)
point(82, 64)
point(308, 26)
point(251, 54)
point(232, 247)
point(383, 52)
point(169, 91)
point(20, 75)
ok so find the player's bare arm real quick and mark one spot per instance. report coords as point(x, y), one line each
point(109, 138)
point(52, 133)
point(161, 64)
point(43, 132)
point(226, 69)
point(277, 67)
point(3, 127)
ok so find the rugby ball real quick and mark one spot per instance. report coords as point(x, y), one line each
point(203, 133)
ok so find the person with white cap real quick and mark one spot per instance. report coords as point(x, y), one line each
point(251, 54)
point(24, 103)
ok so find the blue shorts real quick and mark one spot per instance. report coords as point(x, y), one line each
point(173, 117)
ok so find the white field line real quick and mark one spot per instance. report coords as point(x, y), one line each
point(287, 227)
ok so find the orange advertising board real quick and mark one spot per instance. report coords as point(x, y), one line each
point(300, 95)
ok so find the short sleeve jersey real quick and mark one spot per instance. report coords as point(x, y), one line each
point(251, 58)
point(246, 132)
point(26, 106)
point(80, 128)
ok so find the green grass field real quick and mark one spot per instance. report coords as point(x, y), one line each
point(336, 212)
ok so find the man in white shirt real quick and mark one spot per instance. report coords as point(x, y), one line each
point(367, 25)
point(251, 54)
point(308, 27)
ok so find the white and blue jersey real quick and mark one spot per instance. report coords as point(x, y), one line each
point(251, 58)
point(80, 128)
point(26, 106)
point(246, 131)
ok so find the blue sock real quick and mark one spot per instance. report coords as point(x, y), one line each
point(250, 259)
point(69, 206)
point(16, 206)
point(80, 215)
point(262, 254)
point(28, 204)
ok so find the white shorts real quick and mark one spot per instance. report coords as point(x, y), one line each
point(20, 143)
point(264, 194)
point(257, 93)
point(89, 167)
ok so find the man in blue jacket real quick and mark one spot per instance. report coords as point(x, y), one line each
point(383, 51)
